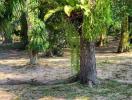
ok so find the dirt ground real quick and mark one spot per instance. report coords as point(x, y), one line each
point(14, 67)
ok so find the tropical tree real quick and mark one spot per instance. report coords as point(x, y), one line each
point(33, 33)
point(36, 31)
point(5, 19)
point(56, 36)
point(96, 16)
point(90, 17)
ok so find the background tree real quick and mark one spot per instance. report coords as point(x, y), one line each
point(36, 31)
point(56, 36)
point(122, 9)
point(32, 29)
point(5, 20)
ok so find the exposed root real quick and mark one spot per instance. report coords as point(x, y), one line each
point(37, 82)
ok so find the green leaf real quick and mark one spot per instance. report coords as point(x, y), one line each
point(51, 12)
point(68, 9)
point(83, 1)
point(72, 2)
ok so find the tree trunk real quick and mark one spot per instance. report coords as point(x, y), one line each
point(88, 73)
point(130, 28)
point(24, 30)
point(7, 38)
point(124, 41)
point(102, 39)
point(33, 57)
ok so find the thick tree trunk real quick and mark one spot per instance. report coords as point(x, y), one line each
point(88, 73)
point(33, 57)
point(124, 41)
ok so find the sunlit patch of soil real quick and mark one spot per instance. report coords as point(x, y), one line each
point(115, 66)
point(7, 96)
point(15, 67)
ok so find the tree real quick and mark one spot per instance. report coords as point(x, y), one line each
point(37, 40)
point(56, 36)
point(5, 19)
point(102, 38)
point(122, 9)
point(24, 30)
point(95, 15)
point(33, 30)
point(124, 40)
point(37, 31)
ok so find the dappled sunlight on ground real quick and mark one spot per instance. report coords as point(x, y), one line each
point(48, 69)
point(14, 67)
point(14, 62)
point(55, 98)
point(115, 66)
point(109, 66)
point(7, 96)
point(51, 98)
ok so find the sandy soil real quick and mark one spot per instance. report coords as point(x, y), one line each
point(14, 67)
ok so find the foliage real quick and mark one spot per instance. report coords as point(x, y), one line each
point(2, 8)
point(119, 9)
point(73, 39)
point(121, 6)
point(37, 31)
point(96, 16)
point(53, 17)
point(57, 38)
point(38, 36)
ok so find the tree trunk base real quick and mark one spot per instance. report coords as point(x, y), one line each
point(88, 73)
point(33, 58)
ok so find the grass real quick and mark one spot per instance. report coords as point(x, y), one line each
point(108, 90)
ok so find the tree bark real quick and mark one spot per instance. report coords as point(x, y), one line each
point(88, 73)
point(124, 40)
point(33, 57)
point(24, 30)
point(130, 28)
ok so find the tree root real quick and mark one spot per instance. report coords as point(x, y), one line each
point(37, 82)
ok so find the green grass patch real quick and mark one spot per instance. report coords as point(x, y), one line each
point(108, 89)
